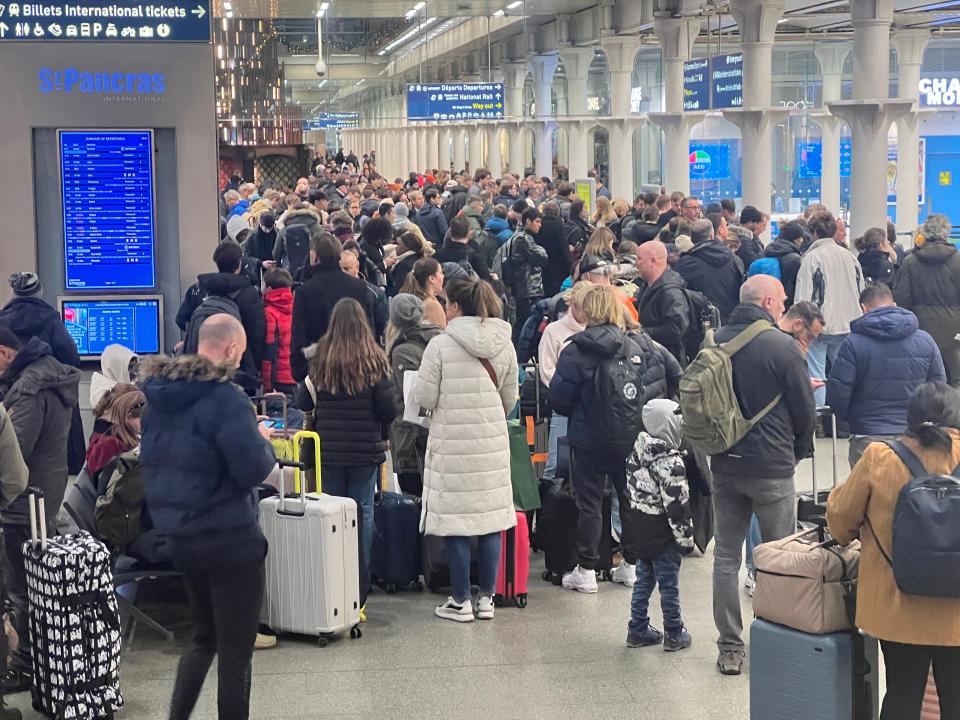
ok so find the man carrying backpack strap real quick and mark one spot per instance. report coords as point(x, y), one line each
point(756, 474)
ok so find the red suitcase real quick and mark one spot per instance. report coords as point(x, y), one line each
point(514, 564)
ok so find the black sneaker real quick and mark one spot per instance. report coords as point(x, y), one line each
point(15, 681)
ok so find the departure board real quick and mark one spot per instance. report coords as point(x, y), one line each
point(108, 209)
point(94, 323)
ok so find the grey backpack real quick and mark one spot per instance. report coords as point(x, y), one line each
point(211, 305)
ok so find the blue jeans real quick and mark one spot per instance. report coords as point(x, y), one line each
point(357, 483)
point(558, 429)
point(753, 539)
point(824, 347)
point(665, 572)
point(458, 555)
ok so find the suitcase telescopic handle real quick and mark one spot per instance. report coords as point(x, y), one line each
point(300, 467)
point(35, 503)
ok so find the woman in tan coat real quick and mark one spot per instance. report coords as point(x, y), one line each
point(913, 631)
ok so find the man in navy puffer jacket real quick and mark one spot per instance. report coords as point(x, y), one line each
point(883, 360)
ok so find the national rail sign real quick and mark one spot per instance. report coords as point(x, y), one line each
point(455, 101)
point(106, 22)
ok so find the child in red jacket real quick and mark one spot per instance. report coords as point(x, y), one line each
point(278, 308)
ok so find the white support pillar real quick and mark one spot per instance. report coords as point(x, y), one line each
point(910, 45)
point(514, 77)
point(476, 133)
point(422, 137)
point(459, 148)
point(621, 52)
point(577, 164)
point(621, 157)
point(757, 22)
point(576, 63)
point(494, 151)
point(516, 136)
point(433, 148)
point(676, 148)
point(444, 155)
point(543, 68)
point(831, 56)
point(411, 132)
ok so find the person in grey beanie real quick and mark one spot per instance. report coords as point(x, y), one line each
point(409, 336)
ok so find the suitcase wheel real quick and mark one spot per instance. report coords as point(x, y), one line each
point(323, 641)
point(416, 586)
point(356, 632)
point(521, 600)
point(547, 576)
point(390, 588)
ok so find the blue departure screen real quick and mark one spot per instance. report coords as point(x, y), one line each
point(108, 227)
point(94, 324)
point(726, 77)
point(455, 101)
point(696, 84)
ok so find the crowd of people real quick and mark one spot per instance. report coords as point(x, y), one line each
point(487, 286)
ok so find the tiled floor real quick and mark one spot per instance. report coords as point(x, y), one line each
point(561, 657)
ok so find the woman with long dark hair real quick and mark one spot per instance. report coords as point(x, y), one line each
point(914, 630)
point(425, 281)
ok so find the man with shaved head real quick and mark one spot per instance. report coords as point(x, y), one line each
point(203, 453)
point(756, 474)
point(662, 302)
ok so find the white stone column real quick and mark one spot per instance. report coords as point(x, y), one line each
point(411, 151)
point(422, 139)
point(757, 21)
point(621, 157)
point(576, 64)
point(910, 45)
point(515, 147)
point(514, 76)
point(459, 148)
point(444, 155)
point(577, 164)
point(433, 148)
point(543, 68)
point(831, 56)
point(621, 52)
point(476, 133)
point(494, 152)
point(676, 148)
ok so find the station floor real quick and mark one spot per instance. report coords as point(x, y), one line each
point(562, 657)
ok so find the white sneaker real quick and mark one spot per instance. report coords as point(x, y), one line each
point(625, 574)
point(750, 583)
point(452, 610)
point(581, 580)
point(485, 607)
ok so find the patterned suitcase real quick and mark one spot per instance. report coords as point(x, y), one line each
point(313, 558)
point(74, 623)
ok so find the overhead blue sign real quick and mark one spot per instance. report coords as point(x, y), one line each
point(108, 211)
point(696, 84)
point(106, 21)
point(455, 101)
point(726, 79)
point(323, 121)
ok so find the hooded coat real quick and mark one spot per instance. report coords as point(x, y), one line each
point(408, 442)
point(929, 285)
point(278, 316)
point(790, 257)
point(432, 222)
point(261, 243)
point(710, 268)
point(114, 369)
point(831, 278)
point(306, 219)
point(40, 394)
point(877, 266)
point(13, 471)
point(552, 238)
point(663, 312)
point(884, 359)
point(466, 486)
point(201, 452)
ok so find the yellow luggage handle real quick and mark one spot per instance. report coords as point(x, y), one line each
point(301, 435)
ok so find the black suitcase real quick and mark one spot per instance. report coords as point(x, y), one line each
point(436, 568)
point(395, 558)
point(813, 504)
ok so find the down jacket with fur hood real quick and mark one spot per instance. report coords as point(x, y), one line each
point(466, 484)
point(201, 453)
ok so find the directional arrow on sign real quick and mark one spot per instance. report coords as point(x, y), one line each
point(3, 29)
point(200, 11)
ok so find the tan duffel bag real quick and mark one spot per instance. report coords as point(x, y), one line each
point(807, 582)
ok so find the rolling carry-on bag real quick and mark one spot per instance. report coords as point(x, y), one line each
point(395, 558)
point(514, 565)
point(74, 623)
point(436, 567)
point(814, 504)
point(313, 557)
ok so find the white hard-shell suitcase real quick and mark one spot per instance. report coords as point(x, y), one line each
point(312, 566)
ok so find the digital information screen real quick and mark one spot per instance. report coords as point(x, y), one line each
point(809, 159)
point(709, 161)
point(726, 78)
point(455, 101)
point(323, 121)
point(94, 323)
point(106, 181)
point(696, 84)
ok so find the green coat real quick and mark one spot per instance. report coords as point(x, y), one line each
point(405, 439)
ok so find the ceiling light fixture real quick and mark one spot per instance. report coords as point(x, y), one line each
point(515, 4)
point(498, 13)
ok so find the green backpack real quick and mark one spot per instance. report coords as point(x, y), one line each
point(712, 420)
point(118, 511)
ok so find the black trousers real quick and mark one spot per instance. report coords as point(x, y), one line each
point(524, 306)
point(907, 669)
point(225, 579)
point(590, 473)
point(15, 586)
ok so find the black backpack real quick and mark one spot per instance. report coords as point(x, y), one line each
point(542, 314)
point(297, 242)
point(211, 305)
point(700, 312)
point(615, 413)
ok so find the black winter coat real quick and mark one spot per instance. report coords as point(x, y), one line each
point(432, 222)
point(353, 429)
point(552, 239)
point(790, 257)
point(408, 442)
point(712, 269)
point(642, 231)
point(664, 313)
point(750, 249)
point(260, 244)
point(457, 252)
point(30, 317)
point(312, 304)
point(877, 266)
point(771, 364)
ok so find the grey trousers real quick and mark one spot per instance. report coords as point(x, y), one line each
point(735, 500)
point(860, 443)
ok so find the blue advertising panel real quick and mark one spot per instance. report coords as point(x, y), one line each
point(715, 169)
point(809, 159)
point(696, 84)
point(709, 161)
point(726, 78)
point(455, 101)
point(109, 22)
point(132, 322)
point(323, 121)
point(106, 179)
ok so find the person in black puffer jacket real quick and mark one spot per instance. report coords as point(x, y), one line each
point(875, 257)
point(349, 396)
point(786, 248)
point(709, 267)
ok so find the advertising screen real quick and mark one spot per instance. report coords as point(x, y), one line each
point(709, 161)
point(106, 179)
point(94, 323)
point(455, 101)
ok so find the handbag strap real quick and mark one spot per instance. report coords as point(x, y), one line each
point(490, 371)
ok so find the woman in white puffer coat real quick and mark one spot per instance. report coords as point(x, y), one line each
point(468, 378)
